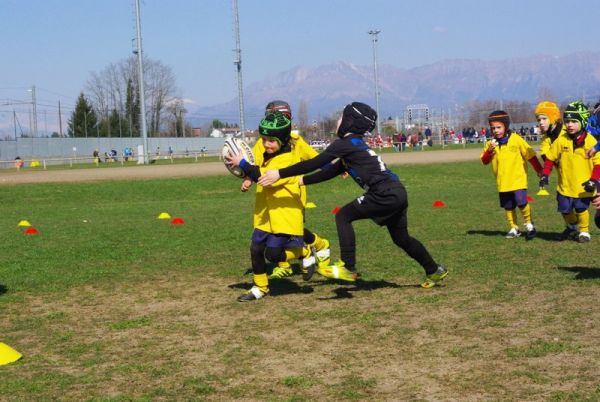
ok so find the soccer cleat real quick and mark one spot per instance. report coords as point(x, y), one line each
point(435, 278)
point(281, 272)
point(513, 233)
point(570, 233)
point(308, 263)
point(584, 237)
point(597, 219)
point(337, 271)
point(531, 232)
point(253, 294)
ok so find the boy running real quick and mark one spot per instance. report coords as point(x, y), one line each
point(316, 249)
point(278, 210)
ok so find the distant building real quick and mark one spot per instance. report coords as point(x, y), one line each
point(196, 132)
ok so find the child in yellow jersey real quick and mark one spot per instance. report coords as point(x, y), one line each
point(316, 249)
point(508, 154)
point(547, 115)
point(577, 174)
point(278, 210)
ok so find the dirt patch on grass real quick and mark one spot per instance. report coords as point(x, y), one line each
point(201, 169)
point(184, 336)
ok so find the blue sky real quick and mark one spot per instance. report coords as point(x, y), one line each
point(56, 44)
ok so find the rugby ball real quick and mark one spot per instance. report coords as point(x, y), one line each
point(235, 146)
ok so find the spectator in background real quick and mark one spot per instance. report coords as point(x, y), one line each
point(403, 140)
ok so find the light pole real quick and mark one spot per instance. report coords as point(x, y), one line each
point(237, 60)
point(34, 107)
point(138, 26)
point(373, 34)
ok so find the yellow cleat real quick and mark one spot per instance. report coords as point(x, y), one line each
point(435, 278)
point(337, 271)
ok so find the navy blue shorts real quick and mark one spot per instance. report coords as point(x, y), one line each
point(513, 199)
point(277, 240)
point(567, 204)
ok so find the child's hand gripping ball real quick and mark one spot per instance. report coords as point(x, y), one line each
point(235, 146)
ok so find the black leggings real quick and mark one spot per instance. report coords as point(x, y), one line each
point(398, 229)
point(258, 253)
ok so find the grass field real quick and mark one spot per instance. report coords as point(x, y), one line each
point(109, 303)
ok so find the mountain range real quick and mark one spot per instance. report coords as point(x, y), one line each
point(327, 88)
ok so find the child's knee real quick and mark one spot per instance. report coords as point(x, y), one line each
point(275, 254)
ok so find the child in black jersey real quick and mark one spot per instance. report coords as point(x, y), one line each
point(384, 201)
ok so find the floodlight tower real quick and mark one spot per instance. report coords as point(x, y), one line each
point(138, 51)
point(237, 61)
point(374, 33)
point(34, 107)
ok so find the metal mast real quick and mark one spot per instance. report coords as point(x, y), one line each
point(237, 61)
point(138, 28)
point(373, 34)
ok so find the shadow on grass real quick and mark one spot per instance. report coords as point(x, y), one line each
point(360, 286)
point(583, 272)
point(548, 236)
point(3, 289)
point(278, 288)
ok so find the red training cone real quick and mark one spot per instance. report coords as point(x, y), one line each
point(335, 210)
point(31, 231)
point(529, 198)
point(439, 204)
point(177, 221)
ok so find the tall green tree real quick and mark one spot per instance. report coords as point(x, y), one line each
point(83, 119)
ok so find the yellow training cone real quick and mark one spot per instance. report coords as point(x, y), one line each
point(311, 205)
point(543, 191)
point(164, 215)
point(23, 223)
point(8, 355)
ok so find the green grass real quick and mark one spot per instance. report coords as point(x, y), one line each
point(108, 303)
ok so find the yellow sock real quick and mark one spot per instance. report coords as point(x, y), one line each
point(511, 217)
point(583, 219)
point(293, 254)
point(526, 211)
point(319, 243)
point(284, 264)
point(570, 218)
point(262, 282)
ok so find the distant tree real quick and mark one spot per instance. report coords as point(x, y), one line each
point(302, 116)
point(132, 109)
point(116, 88)
point(83, 119)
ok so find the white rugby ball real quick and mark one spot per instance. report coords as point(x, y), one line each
point(235, 146)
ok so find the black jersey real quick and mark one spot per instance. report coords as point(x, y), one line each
point(349, 154)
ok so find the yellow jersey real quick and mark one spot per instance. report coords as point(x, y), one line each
point(574, 167)
point(300, 148)
point(509, 163)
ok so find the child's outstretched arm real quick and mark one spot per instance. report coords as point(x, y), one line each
point(537, 166)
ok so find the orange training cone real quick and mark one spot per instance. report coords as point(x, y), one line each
point(439, 204)
point(31, 231)
point(177, 221)
point(335, 210)
point(529, 198)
